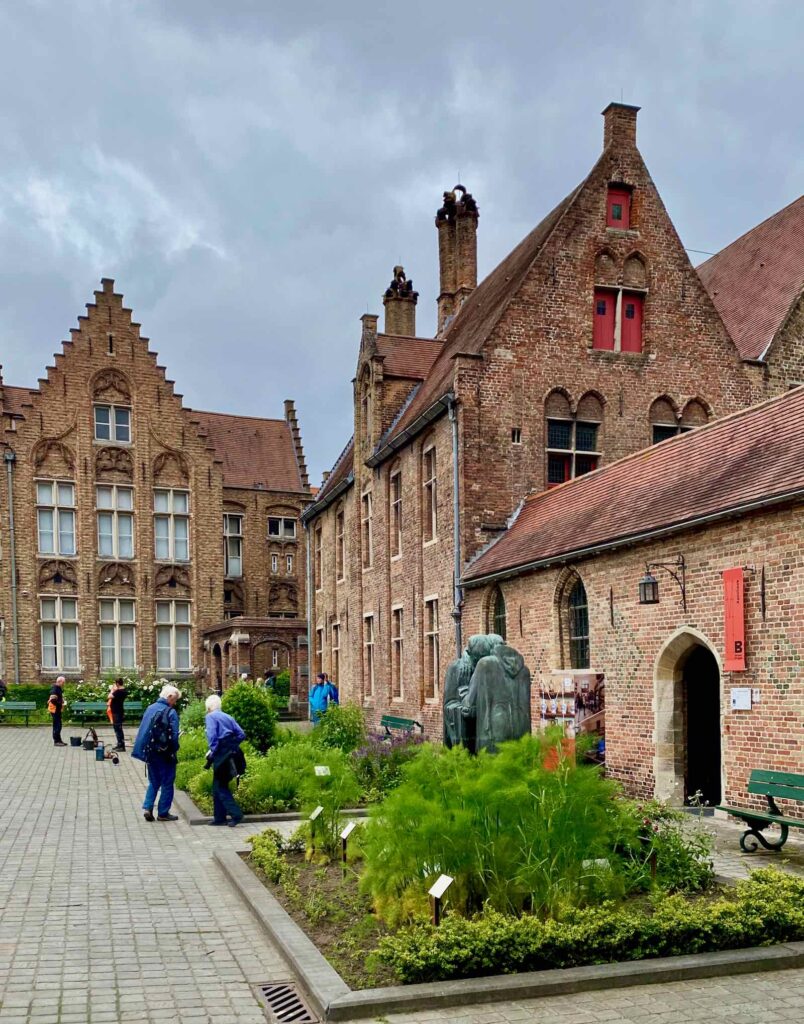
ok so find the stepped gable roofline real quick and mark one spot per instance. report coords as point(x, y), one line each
point(409, 358)
point(750, 459)
point(339, 480)
point(255, 453)
point(755, 281)
point(481, 312)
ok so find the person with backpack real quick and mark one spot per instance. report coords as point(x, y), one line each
point(55, 706)
point(157, 744)
point(226, 759)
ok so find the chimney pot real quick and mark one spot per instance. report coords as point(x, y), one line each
point(619, 125)
point(400, 305)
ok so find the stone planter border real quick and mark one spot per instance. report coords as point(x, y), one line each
point(193, 815)
point(333, 1000)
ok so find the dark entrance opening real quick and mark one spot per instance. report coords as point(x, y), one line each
point(702, 726)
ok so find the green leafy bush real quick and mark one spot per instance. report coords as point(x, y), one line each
point(282, 683)
point(193, 716)
point(378, 763)
point(681, 847)
point(341, 726)
point(187, 770)
point(36, 692)
point(334, 792)
point(200, 789)
point(253, 709)
point(192, 745)
point(766, 909)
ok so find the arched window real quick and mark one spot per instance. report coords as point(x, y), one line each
point(573, 439)
point(498, 614)
point(578, 626)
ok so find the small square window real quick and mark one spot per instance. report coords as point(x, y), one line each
point(630, 311)
point(616, 211)
point(559, 434)
point(601, 307)
point(586, 437)
point(516, 435)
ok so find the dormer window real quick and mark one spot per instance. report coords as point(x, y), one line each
point(618, 208)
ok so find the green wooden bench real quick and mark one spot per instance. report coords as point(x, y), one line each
point(86, 709)
point(784, 785)
point(389, 722)
point(20, 707)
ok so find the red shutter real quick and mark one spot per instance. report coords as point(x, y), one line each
point(632, 323)
point(618, 201)
point(603, 320)
point(734, 611)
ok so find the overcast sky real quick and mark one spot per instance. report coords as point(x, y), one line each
point(249, 171)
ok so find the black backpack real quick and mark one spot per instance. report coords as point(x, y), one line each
point(160, 741)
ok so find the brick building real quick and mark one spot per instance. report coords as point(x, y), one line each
point(705, 684)
point(593, 339)
point(137, 533)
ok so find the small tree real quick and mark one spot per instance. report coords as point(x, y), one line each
point(253, 710)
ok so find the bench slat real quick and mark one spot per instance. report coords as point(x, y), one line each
point(785, 792)
point(18, 705)
point(761, 775)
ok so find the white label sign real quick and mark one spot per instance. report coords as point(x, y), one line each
point(316, 812)
point(349, 830)
point(322, 769)
point(442, 883)
point(741, 698)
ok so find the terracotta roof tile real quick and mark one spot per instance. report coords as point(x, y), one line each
point(14, 398)
point(754, 281)
point(340, 471)
point(411, 358)
point(254, 452)
point(752, 455)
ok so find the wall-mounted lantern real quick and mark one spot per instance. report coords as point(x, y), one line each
point(649, 585)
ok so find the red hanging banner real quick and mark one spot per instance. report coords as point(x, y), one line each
point(734, 611)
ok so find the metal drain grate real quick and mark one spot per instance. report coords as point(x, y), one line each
point(284, 1004)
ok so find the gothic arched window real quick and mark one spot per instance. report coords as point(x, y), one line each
point(498, 614)
point(578, 626)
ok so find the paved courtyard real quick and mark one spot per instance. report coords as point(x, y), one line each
point(105, 918)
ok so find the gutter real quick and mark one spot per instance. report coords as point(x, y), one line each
point(636, 538)
point(418, 425)
point(309, 603)
point(10, 458)
point(312, 511)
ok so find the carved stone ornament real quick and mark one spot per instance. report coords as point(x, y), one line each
point(235, 590)
point(171, 467)
point(283, 594)
point(172, 581)
point(111, 386)
point(114, 463)
point(116, 577)
point(57, 573)
point(54, 456)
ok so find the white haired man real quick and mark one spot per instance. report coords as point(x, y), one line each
point(55, 705)
point(226, 759)
point(157, 744)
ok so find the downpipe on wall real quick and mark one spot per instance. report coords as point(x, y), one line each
point(457, 591)
point(10, 458)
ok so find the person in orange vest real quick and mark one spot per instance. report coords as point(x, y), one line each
point(115, 709)
point(55, 705)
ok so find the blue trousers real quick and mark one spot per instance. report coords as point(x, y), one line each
point(161, 776)
point(223, 802)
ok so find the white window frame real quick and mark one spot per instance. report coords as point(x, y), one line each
point(367, 528)
point(286, 527)
point(113, 426)
point(173, 627)
point(59, 510)
point(289, 565)
point(369, 654)
point(274, 565)
point(61, 625)
point(432, 654)
point(120, 628)
point(117, 515)
point(395, 512)
point(397, 652)
point(340, 545)
point(318, 557)
point(336, 651)
point(231, 536)
point(319, 649)
point(275, 657)
point(171, 518)
point(429, 495)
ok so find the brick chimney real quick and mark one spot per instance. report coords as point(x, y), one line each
point(400, 305)
point(619, 120)
point(456, 222)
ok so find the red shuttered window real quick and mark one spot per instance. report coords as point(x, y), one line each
point(618, 209)
point(603, 322)
point(631, 340)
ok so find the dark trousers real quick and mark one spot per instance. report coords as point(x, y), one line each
point(56, 727)
point(117, 723)
point(223, 802)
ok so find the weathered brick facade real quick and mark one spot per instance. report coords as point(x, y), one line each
point(161, 449)
point(513, 352)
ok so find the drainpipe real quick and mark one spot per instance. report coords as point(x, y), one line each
point(309, 603)
point(11, 458)
point(457, 593)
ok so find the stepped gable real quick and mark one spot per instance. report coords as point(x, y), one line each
point(255, 453)
point(754, 281)
point(411, 358)
point(751, 456)
point(480, 313)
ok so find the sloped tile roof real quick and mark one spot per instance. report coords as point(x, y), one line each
point(340, 471)
point(753, 455)
point(254, 452)
point(480, 313)
point(411, 358)
point(754, 281)
point(14, 398)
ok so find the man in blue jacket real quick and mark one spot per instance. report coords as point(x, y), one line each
point(157, 744)
point(226, 759)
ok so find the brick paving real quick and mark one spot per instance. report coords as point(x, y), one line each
point(105, 919)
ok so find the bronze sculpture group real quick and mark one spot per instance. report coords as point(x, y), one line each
point(486, 695)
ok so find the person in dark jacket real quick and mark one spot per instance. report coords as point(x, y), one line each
point(226, 759)
point(161, 764)
point(55, 705)
point(116, 704)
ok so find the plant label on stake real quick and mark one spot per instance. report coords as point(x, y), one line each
point(313, 817)
point(322, 769)
point(316, 812)
point(436, 892)
point(344, 836)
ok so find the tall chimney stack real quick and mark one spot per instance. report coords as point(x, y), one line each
point(456, 223)
point(619, 121)
point(400, 305)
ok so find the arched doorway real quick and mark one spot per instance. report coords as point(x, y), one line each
point(217, 668)
point(687, 709)
point(701, 682)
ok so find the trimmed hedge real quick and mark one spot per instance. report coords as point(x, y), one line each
point(37, 692)
point(766, 909)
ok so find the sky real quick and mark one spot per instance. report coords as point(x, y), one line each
point(250, 171)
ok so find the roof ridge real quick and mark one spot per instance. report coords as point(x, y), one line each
point(237, 416)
